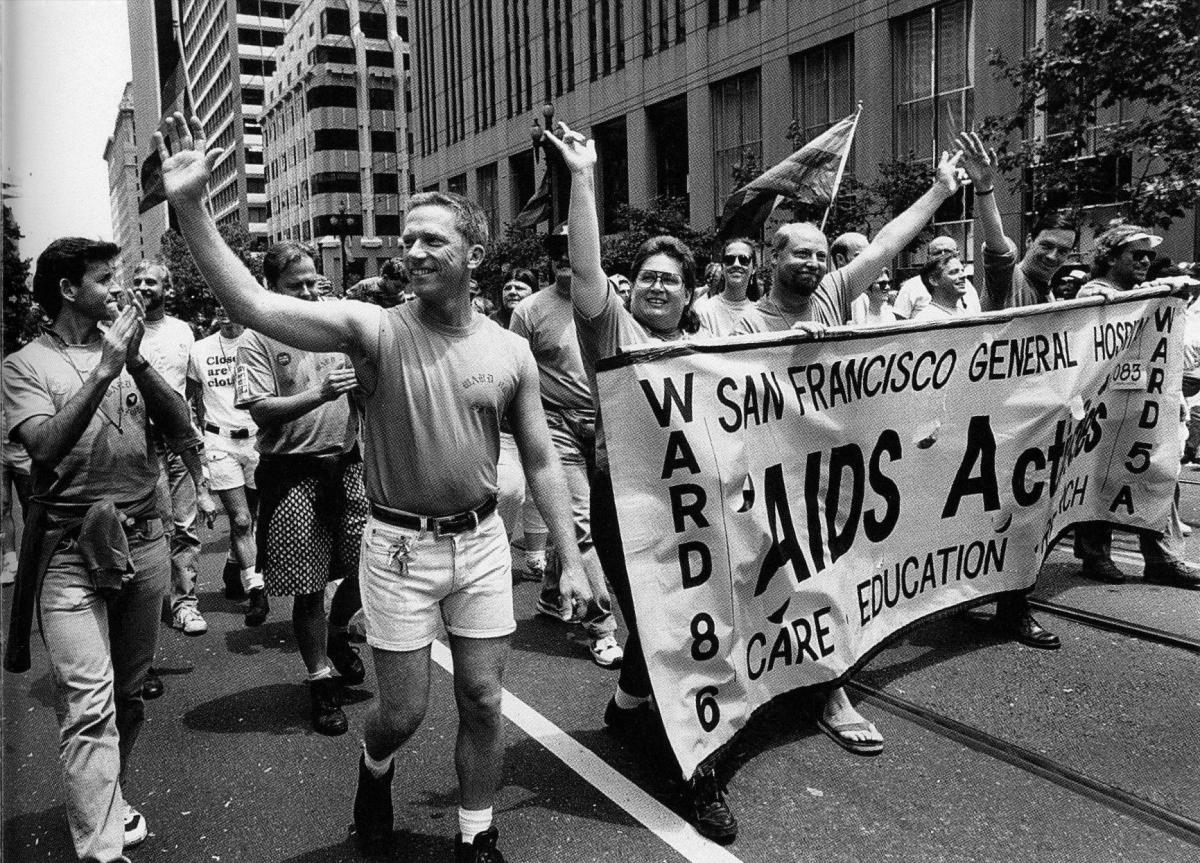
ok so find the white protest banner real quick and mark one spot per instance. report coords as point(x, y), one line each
point(787, 505)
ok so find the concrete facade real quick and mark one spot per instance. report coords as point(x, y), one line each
point(120, 152)
point(335, 133)
point(695, 84)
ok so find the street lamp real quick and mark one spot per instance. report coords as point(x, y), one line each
point(343, 224)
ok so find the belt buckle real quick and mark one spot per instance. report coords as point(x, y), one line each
point(474, 519)
point(435, 526)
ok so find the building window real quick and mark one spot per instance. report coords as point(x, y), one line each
point(373, 25)
point(737, 129)
point(330, 96)
point(335, 22)
point(335, 139)
point(488, 196)
point(822, 86)
point(380, 99)
point(457, 184)
point(387, 225)
point(933, 78)
point(647, 28)
point(386, 184)
point(335, 182)
point(383, 142)
point(257, 67)
point(255, 186)
point(252, 96)
point(331, 54)
point(680, 22)
point(402, 27)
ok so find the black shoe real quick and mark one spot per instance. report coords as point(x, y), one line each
point(1173, 573)
point(152, 685)
point(232, 576)
point(1102, 569)
point(482, 850)
point(345, 658)
point(327, 715)
point(1023, 627)
point(625, 722)
point(259, 608)
point(706, 807)
point(373, 807)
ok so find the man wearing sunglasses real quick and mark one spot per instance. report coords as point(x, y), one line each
point(1122, 262)
point(719, 313)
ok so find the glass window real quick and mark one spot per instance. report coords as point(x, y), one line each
point(737, 129)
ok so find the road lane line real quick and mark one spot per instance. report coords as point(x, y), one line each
point(643, 808)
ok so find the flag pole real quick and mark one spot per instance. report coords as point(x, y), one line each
point(837, 180)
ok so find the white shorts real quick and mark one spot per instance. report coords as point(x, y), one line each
point(409, 581)
point(230, 462)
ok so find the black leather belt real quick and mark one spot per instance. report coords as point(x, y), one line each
point(233, 433)
point(457, 523)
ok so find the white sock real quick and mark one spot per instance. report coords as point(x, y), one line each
point(535, 558)
point(472, 822)
point(320, 674)
point(377, 768)
point(251, 579)
point(625, 701)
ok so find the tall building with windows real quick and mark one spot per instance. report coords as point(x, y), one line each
point(678, 92)
point(226, 48)
point(120, 152)
point(336, 137)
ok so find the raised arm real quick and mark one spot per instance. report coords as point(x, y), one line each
point(589, 287)
point(980, 164)
point(341, 326)
point(862, 272)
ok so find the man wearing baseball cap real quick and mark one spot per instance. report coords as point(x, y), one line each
point(1122, 262)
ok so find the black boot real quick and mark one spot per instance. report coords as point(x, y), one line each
point(152, 685)
point(482, 850)
point(259, 607)
point(706, 807)
point(1017, 622)
point(327, 715)
point(373, 807)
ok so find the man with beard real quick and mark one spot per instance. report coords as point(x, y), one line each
point(167, 345)
point(1122, 262)
point(719, 313)
point(805, 295)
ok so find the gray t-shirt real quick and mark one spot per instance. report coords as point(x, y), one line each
point(166, 345)
point(719, 316)
point(431, 425)
point(830, 306)
point(112, 459)
point(266, 367)
point(547, 320)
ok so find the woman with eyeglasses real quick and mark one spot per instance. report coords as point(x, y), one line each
point(873, 307)
point(660, 310)
point(719, 313)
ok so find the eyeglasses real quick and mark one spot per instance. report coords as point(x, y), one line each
point(1143, 254)
point(647, 279)
point(730, 260)
point(883, 283)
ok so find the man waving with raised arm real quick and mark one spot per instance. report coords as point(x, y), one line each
point(437, 377)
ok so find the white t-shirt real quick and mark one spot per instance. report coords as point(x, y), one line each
point(860, 313)
point(914, 296)
point(212, 364)
point(718, 315)
point(166, 346)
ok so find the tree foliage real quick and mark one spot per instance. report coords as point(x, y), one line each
point(20, 313)
point(1141, 57)
point(190, 299)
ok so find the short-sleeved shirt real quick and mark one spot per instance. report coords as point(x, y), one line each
point(1006, 285)
point(212, 364)
point(265, 368)
point(112, 459)
point(603, 336)
point(431, 425)
point(860, 313)
point(930, 312)
point(166, 346)
point(547, 320)
point(718, 315)
point(830, 305)
point(914, 296)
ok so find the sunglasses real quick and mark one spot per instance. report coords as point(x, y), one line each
point(1143, 254)
point(730, 260)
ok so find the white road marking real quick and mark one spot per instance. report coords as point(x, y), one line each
point(655, 817)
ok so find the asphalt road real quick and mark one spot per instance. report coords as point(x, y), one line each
point(227, 768)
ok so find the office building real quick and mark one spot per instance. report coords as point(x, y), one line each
point(337, 143)
point(677, 92)
point(120, 152)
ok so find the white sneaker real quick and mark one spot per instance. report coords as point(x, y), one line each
point(135, 827)
point(607, 653)
point(189, 620)
point(9, 573)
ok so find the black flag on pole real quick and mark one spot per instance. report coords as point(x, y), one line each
point(537, 208)
point(809, 175)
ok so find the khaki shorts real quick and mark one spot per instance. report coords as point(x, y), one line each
point(229, 462)
point(411, 582)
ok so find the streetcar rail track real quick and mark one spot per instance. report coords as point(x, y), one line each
point(1117, 625)
point(1146, 811)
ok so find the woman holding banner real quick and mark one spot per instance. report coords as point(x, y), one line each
point(660, 309)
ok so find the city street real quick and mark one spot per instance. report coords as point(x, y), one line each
point(227, 768)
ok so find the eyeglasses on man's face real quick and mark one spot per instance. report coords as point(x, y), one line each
point(648, 278)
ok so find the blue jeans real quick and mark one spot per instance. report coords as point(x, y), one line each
point(100, 645)
point(178, 505)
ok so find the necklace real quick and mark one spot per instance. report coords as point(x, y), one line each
point(60, 345)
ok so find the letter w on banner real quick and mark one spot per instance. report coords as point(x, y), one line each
point(808, 500)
